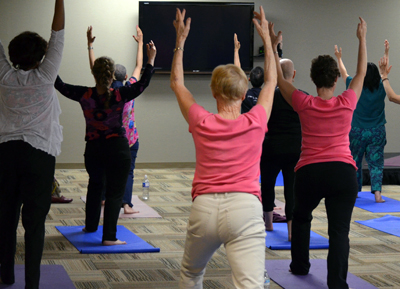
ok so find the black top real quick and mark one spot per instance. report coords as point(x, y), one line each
point(250, 99)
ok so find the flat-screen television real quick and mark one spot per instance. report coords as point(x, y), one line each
point(210, 41)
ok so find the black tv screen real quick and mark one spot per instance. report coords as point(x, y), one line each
point(210, 41)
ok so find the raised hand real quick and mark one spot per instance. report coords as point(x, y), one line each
point(361, 29)
point(261, 24)
point(139, 35)
point(384, 67)
point(89, 35)
point(275, 39)
point(338, 52)
point(182, 29)
point(236, 42)
point(151, 52)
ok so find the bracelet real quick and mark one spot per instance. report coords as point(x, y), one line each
point(178, 48)
point(275, 52)
point(90, 47)
point(385, 79)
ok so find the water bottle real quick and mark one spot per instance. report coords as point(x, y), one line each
point(267, 281)
point(146, 188)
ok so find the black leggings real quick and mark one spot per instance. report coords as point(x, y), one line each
point(275, 158)
point(26, 177)
point(109, 159)
point(337, 183)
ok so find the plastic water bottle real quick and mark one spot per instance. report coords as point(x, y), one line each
point(267, 281)
point(146, 188)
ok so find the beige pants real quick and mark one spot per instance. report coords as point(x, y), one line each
point(232, 219)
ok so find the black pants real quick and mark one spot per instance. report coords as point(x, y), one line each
point(26, 176)
point(276, 158)
point(337, 183)
point(111, 159)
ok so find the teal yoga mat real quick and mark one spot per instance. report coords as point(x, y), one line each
point(91, 243)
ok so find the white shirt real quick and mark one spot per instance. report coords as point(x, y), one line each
point(29, 106)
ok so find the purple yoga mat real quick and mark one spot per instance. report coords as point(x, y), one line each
point(278, 271)
point(392, 162)
point(51, 276)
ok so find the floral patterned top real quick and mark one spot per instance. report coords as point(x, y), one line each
point(104, 116)
point(128, 117)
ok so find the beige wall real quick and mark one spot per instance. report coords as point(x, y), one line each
point(310, 27)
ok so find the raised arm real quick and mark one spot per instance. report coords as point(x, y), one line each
point(357, 83)
point(59, 16)
point(286, 87)
point(384, 69)
point(90, 41)
point(139, 54)
point(266, 96)
point(342, 68)
point(183, 95)
point(236, 58)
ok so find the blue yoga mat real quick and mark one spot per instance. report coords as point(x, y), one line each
point(51, 276)
point(388, 224)
point(278, 271)
point(366, 201)
point(91, 243)
point(279, 180)
point(278, 239)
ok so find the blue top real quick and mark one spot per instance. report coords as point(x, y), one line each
point(370, 110)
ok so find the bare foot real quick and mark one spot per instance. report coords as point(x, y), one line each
point(129, 210)
point(289, 229)
point(112, 243)
point(378, 197)
point(268, 217)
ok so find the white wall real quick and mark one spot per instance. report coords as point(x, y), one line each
point(310, 28)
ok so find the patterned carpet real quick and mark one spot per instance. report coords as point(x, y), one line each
point(374, 256)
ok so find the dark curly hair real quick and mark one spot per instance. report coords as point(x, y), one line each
point(26, 50)
point(373, 78)
point(103, 72)
point(324, 71)
point(257, 76)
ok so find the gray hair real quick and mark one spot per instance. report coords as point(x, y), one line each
point(120, 72)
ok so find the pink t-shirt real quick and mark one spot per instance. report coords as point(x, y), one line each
point(227, 151)
point(325, 127)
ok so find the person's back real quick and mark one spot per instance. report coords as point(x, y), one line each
point(227, 151)
point(30, 101)
point(256, 78)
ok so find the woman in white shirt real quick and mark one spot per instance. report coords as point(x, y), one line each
point(30, 139)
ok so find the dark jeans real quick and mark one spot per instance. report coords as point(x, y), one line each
point(337, 183)
point(109, 159)
point(273, 160)
point(26, 177)
point(127, 199)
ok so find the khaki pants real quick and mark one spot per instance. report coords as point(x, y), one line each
point(232, 219)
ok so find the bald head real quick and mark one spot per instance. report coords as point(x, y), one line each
point(287, 69)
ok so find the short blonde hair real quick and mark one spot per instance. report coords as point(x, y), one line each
point(229, 82)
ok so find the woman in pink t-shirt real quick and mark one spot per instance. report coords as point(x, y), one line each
point(226, 193)
point(326, 168)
